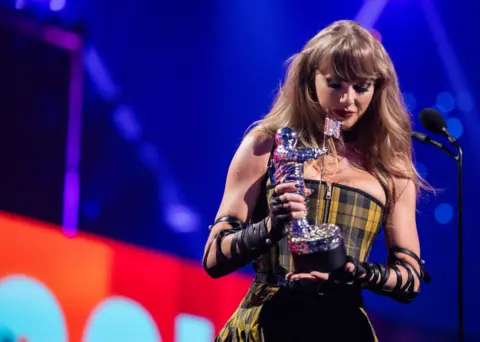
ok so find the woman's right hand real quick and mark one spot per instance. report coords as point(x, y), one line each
point(285, 205)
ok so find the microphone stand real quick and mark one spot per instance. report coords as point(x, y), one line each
point(459, 159)
point(423, 138)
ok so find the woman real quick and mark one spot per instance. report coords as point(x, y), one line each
point(366, 180)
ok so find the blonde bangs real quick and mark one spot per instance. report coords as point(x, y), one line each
point(351, 60)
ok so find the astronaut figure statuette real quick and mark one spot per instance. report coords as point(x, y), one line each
point(318, 247)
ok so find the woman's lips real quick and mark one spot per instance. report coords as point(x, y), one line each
point(343, 113)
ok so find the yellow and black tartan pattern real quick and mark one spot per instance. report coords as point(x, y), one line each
point(244, 324)
point(358, 215)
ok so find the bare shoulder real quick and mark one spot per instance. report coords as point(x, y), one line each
point(252, 155)
point(258, 143)
point(405, 188)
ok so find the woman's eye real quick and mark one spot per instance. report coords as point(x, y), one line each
point(333, 85)
point(362, 89)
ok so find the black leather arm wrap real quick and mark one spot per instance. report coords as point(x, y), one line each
point(376, 276)
point(248, 243)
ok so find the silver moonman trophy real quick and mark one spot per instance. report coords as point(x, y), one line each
point(316, 247)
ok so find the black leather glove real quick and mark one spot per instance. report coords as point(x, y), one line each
point(279, 217)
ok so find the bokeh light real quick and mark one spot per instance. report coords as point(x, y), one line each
point(445, 102)
point(455, 127)
point(464, 102)
point(444, 213)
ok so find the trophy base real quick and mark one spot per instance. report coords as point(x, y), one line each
point(325, 262)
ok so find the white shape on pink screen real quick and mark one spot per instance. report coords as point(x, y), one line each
point(121, 319)
point(29, 310)
point(190, 328)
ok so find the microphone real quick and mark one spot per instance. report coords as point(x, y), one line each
point(433, 121)
point(427, 140)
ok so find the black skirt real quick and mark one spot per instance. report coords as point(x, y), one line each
point(283, 314)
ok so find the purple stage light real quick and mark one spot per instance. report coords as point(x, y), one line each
point(57, 5)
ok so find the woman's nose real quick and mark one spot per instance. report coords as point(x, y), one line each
point(348, 97)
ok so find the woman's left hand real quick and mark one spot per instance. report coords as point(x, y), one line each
point(349, 268)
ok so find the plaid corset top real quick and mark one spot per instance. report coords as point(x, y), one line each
point(358, 214)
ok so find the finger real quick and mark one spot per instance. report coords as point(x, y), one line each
point(319, 275)
point(295, 206)
point(298, 214)
point(289, 275)
point(289, 197)
point(283, 218)
point(278, 208)
point(285, 187)
point(302, 276)
point(308, 192)
point(349, 267)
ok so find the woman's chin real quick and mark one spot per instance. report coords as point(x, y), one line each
point(348, 125)
point(349, 122)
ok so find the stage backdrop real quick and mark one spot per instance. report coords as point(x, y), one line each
point(90, 289)
point(56, 289)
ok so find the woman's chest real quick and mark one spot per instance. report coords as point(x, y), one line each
point(350, 177)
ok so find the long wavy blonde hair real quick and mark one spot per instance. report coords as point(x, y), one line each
point(383, 134)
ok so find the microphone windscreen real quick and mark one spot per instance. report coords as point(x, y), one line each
point(432, 120)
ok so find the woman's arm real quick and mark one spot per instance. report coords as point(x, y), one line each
point(232, 242)
point(225, 247)
point(400, 277)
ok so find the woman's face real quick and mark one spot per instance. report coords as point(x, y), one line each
point(343, 101)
